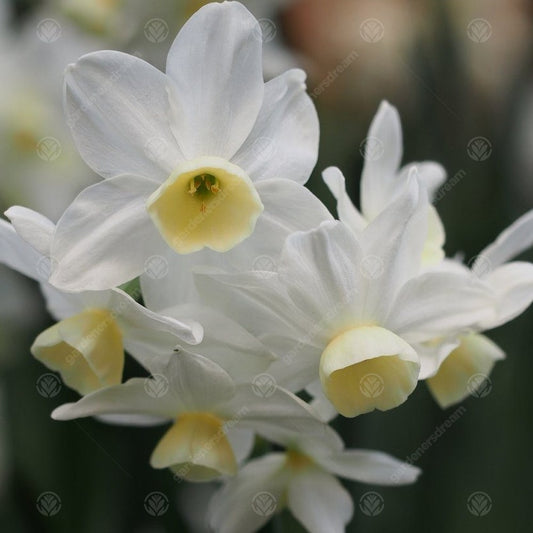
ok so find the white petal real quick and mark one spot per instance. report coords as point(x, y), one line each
point(132, 420)
point(259, 485)
point(348, 213)
point(216, 68)
point(513, 285)
point(33, 227)
point(227, 343)
point(392, 249)
point(280, 417)
point(438, 304)
point(241, 441)
point(367, 466)
point(262, 308)
point(18, 254)
point(62, 304)
point(318, 268)
point(130, 398)
point(146, 333)
point(324, 409)
point(319, 501)
point(117, 108)
point(284, 140)
point(104, 238)
point(514, 240)
point(188, 383)
point(378, 180)
point(297, 364)
point(199, 383)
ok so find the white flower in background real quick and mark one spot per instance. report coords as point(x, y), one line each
point(213, 419)
point(383, 179)
point(115, 20)
point(36, 148)
point(94, 328)
point(192, 157)
point(451, 377)
point(347, 308)
point(304, 481)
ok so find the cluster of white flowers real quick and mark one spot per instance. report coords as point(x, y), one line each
point(203, 256)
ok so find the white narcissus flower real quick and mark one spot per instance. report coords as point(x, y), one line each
point(383, 179)
point(304, 481)
point(192, 158)
point(36, 150)
point(213, 419)
point(453, 376)
point(94, 328)
point(347, 308)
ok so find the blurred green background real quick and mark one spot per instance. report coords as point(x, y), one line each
point(458, 71)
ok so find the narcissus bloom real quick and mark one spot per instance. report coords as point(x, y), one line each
point(213, 419)
point(192, 158)
point(87, 344)
point(303, 480)
point(453, 376)
point(383, 179)
point(347, 308)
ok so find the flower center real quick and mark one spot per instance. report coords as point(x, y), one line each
point(368, 368)
point(297, 460)
point(86, 349)
point(196, 448)
point(204, 185)
point(206, 202)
